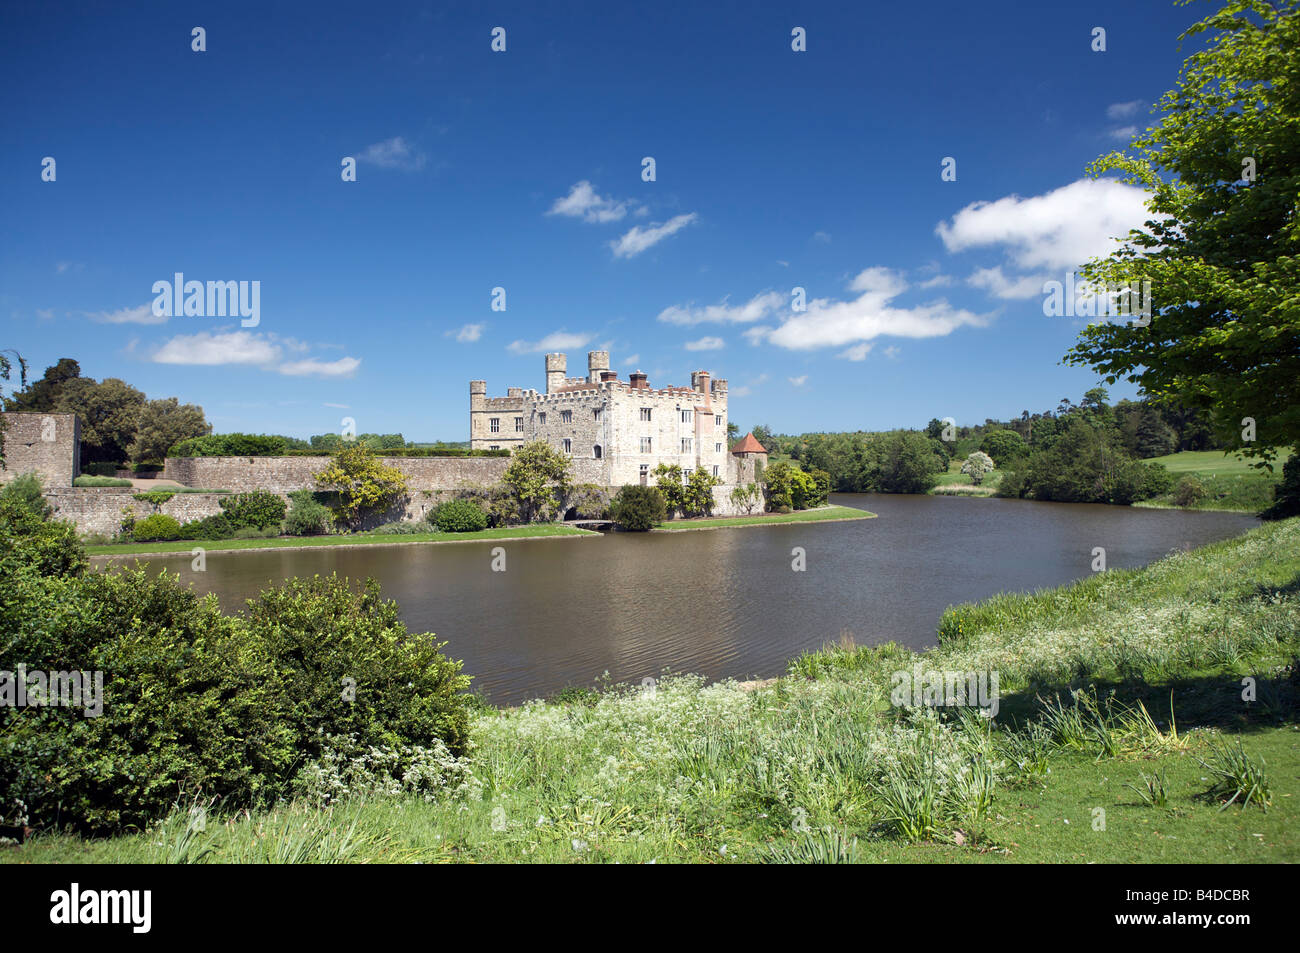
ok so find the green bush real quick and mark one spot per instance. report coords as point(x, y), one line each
point(255, 532)
point(201, 705)
point(258, 509)
point(638, 508)
point(458, 516)
point(27, 492)
point(156, 528)
point(154, 497)
point(1003, 445)
point(231, 445)
point(307, 516)
point(210, 527)
point(399, 528)
point(100, 481)
point(1189, 491)
point(100, 469)
point(588, 501)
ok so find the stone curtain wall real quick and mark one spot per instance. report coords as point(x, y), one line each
point(286, 474)
point(46, 444)
point(99, 509)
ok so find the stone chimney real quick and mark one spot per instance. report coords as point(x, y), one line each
point(638, 380)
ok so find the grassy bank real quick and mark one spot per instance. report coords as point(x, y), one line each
point(821, 514)
point(821, 765)
point(185, 546)
point(1230, 483)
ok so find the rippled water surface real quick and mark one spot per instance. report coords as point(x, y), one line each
point(723, 602)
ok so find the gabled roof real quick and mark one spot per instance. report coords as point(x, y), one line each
point(748, 444)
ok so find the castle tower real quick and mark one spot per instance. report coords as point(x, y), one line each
point(477, 395)
point(597, 361)
point(557, 366)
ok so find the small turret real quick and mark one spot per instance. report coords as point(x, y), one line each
point(557, 366)
point(597, 361)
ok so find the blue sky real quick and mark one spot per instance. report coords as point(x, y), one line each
point(522, 169)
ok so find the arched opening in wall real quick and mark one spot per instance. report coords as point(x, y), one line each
point(596, 451)
point(571, 513)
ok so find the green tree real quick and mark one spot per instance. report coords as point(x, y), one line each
point(539, 477)
point(908, 464)
point(365, 486)
point(6, 369)
point(697, 495)
point(164, 423)
point(1222, 247)
point(109, 412)
point(1003, 445)
point(669, 480)
point(43, 394)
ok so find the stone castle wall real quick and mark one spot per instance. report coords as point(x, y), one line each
point(99, 509)
point(46, 444)
point(286, 474)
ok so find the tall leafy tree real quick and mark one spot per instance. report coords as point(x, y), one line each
point(164, 423)
point(1222, 247)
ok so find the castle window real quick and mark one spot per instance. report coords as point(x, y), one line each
point(595, 413)
point(495, 424)
point(568, 445)
point(686, 445)
point(494, 447)
point(715, 470)
point(542, 419)
point(686, 476)
point(645, 413)
point(686, 416)
point(595, 451)
point(519, 425)
point(645, 445)
point(717, 448)
point(717, 420)
point(566, 416)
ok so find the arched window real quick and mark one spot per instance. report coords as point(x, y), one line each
point(596, 451)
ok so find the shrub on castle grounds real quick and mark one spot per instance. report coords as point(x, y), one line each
point(638, 508)
point(259, 509)
point(307, 516)
point(978, 465)
point(156, 528)
point(215, 526)
point(497, 501)
point(458, 516)
point(697, 495)
point(197, 704)
point(747, 498)
point(668, 479)
point(588, 501)
point(538, 476)
point(365, 485)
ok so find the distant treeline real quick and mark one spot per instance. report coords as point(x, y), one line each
point(1085, 452)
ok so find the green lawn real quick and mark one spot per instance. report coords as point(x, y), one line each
point(821, 766)
point(821, 514)
point(1211, 462)
point(359, 539)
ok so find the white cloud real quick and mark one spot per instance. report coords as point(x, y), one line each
point(834, 323)
point(823, 237)
point(556, 341)
point(938, 281)
point(1061, 229)
point(999, 285)
point(249, 349)
point(234, 347)
point(466, 333)
point(632, 360)
point(1123, 110)
point(45, 314)
point(394, 153)
point(755, 309)
point(706, 344)
point(585, 203)
point(858, 352)
point(638, 239)
point(798, 381)
point(138, 315)
point(338, 406)
point(892, 352)
point(311, 367)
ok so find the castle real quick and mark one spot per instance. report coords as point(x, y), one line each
point(617, 431)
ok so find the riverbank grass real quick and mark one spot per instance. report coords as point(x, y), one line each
point(820, 514)
point(1144, 715)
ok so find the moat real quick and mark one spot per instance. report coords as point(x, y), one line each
point(724, 602)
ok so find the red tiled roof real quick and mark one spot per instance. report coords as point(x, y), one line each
point(748, 444)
